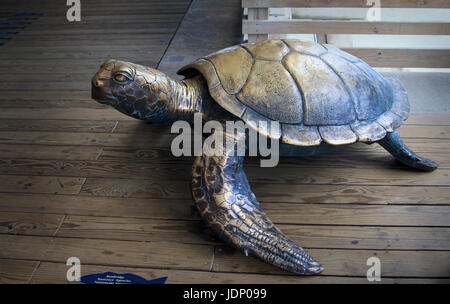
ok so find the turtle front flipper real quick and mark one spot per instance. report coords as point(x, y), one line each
point(223, 197)
point(394, 145)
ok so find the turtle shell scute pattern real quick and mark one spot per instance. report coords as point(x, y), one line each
point(317, 92)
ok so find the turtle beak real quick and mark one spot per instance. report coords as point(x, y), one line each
point(98, 91)
point(96, 94)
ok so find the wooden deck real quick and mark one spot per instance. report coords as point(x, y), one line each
point(78, 179)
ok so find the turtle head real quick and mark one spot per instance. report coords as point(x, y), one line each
point(135, 90)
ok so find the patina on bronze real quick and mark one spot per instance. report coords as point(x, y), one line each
point(323, 98)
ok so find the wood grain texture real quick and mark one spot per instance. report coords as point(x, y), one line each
point(418, 58)
point(61, 113)
point(313, 236)
point(78, 178)
point(41, 184)
point(257, 14)
point(49, 272)
point(98, 206)
point(89, 139)
point(95, 126)
point(49, 152)
point(29, 223)
point(400, 58)
point(384, 171)
point(108, 252)
point(347, 262)
point(343, 27)
point(16, 271)
point(345, 3)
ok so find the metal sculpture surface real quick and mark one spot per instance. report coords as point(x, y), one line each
point(322, 97)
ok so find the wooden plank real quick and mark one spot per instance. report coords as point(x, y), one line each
point(345, 3)
point(36, 85)
point(313, 236)
point(47, 68)
point(80, 41)
point(96, 4)
point(357, 237)
point(140, 154)
point(99, 206)
point(118, 18)
point(90, 9)
point(418, 131)
point(407, 130)
point(348, 262)
point(31, 99)
point(418, 145)
point(107, 252)
point(25, 103)
point(134, 188)
point(16, 271)
point(280, 213)
point(55, 273)
point(130, 10)
point(95, 126)
point(134, 229)
point(331, 194)
point(343, 27)
point(45, 52)
point(63, 65)
point(324, 176)
point(257, 14)
point(347, 158)
point(369, 215)
point(62, 113)
point(321, 187)
point(355, 155)
point(29, 223)
point(88, 139)
point(145, 22)
point(429, 119)
point(129, 158)
point(398, 58)
point(41, 184)
point(150, 51)
point(137, 126)
point(149, 29)
point(183, 209)
point(49, 152)
point(349, 176)
point(166, 168)
point(287, 212)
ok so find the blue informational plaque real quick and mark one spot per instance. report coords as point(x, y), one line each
point(119, 278)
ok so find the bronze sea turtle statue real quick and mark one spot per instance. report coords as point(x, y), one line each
point(321, 96)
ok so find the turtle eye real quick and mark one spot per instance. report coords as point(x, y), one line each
point(121, 78)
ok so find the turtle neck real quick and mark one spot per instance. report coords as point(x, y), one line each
point(187, 97)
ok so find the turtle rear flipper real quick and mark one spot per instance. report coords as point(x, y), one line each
point(223, 197)
point(394, 145)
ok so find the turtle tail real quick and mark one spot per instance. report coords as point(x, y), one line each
point(223, 197)
point(394, 145)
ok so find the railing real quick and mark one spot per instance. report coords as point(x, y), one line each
point(258, 27)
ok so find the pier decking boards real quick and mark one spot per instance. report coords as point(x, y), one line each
point(79, 179)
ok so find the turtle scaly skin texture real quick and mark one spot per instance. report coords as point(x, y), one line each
point(148, 94)
point(225, 201)
point(323, 97)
